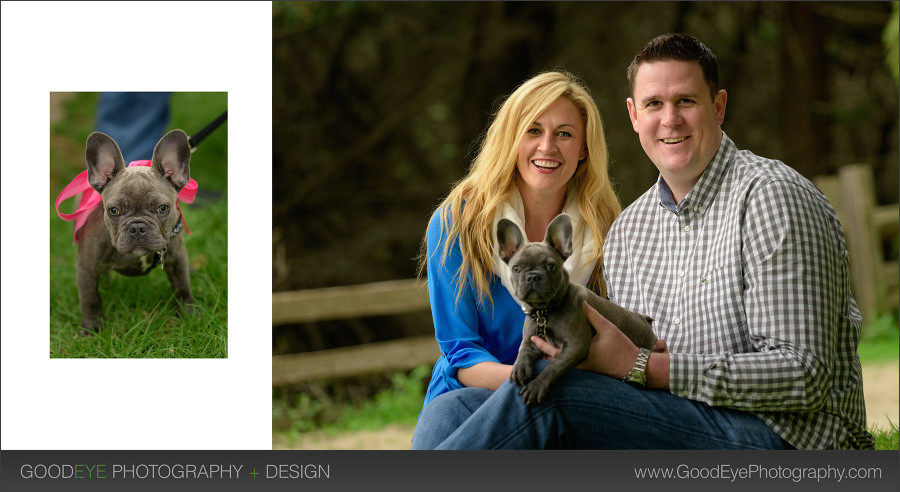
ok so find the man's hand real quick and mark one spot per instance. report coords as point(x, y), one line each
point(660, 347)
point(611, 352)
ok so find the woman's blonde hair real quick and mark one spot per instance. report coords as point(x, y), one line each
point(475, 199)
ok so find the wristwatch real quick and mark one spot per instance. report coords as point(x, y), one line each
point(638, 375)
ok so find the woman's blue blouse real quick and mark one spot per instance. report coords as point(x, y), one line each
point(467, 333)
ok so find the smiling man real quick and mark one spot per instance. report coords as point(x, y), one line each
point(677, 115)
point(752, 292)
point(741, 263)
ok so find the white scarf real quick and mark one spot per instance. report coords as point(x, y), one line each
point(579, 268)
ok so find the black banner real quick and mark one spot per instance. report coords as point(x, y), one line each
point(494, 471)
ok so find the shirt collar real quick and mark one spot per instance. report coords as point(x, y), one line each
point(666, 198)
point(702, 194)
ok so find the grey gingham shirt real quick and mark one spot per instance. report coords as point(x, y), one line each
point(747, 282)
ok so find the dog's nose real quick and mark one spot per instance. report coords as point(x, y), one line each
point(532, 278)
point(137, 229)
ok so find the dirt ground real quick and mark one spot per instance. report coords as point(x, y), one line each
point(390, 437)
point(880, 381)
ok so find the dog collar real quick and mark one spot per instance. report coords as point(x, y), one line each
point(90, 198)
point(178, 225)
point(539, 316)
point(160, 257)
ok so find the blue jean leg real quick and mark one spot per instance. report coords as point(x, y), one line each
point(591, 411)
point(135, 120)
point(446, 413)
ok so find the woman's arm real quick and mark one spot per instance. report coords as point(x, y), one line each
point(488, 375)
point(456, 318)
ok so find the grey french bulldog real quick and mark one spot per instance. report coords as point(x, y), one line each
point(137, 225)
point(557, 312)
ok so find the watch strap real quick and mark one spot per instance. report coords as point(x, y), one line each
point(638, 374)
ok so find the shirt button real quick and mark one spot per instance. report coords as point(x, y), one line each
point(681, 273)
point(677, 321)
point(687, 228)
point(699, 210)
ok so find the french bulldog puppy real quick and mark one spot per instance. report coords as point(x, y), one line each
point(557, 312)
point(137, 225)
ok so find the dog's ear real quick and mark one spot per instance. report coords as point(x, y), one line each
point(559, 235)
point(103, 160)
point(172, 158)
point(509, 239)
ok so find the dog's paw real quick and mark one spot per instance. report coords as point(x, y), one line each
point(533, 393)
point(89, 326)
point(521, 373)
point(187, 308)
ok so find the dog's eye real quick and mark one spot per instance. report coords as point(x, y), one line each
point(113, 211)
point(551, 267)
point(516, 268)
point(163, 209)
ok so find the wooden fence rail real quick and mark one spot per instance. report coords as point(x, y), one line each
point(348, 302)
point(371, 358)
point(354, 301)
point(874, 280)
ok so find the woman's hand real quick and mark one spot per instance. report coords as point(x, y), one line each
point(612, 353)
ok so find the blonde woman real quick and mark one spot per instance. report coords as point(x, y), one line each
point(544, 153)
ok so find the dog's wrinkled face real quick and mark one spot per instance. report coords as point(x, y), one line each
point(139, 215)
point(538, 276)
point(139, 202)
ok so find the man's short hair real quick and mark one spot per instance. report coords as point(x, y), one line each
point(678, 47)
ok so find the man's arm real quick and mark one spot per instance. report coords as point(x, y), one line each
point(793, 271)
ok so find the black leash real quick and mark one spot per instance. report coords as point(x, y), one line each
point(202, 134)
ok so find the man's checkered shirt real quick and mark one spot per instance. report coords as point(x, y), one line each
point(747, 282)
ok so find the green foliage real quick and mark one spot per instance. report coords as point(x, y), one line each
point(400, 404)
point(770, 33)
point(891, 40)
point(880, 339)
point(141, 320)
point(191, 112)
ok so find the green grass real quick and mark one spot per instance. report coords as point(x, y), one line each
point(886, 439)
point(880, 339)
point(880, 343)
point(400, 404)
point(140, 312)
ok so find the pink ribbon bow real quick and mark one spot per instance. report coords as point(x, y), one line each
point(90, 199)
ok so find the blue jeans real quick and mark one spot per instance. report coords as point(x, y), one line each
point(585, 410)
point(135, 120)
